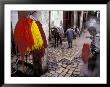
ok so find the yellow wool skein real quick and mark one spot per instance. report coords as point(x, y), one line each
point(38, 41)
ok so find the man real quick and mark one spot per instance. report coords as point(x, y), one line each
point(61, 33)
point(95, 49)
point(92, 67)
point(74, 30)
point(69, 34)
point(77, 31)
point(56, 36)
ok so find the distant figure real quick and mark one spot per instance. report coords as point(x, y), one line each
point(74, 36)
point(95, 49)
point(56, 36)
point(78, 31)
point(69, 34)
point(91, 67)
point(61, 33)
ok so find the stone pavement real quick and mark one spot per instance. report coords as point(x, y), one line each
point(64, 61)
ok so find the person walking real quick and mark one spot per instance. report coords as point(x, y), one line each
point(61, 33)
point(78, 31)
point(74, 30)
point(56, 36)
point(92, 66)
point(69, 34)
point(95, 49)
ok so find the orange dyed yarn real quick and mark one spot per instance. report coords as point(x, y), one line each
point(23, 36)
point(85, 52)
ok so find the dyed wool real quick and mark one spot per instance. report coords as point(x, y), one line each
point(40, 53)
point(23, 36)
point(29, 36)
point(86, 52)
point(42, 34)
point(38, 41)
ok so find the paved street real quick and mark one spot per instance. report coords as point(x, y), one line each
point(64, 61)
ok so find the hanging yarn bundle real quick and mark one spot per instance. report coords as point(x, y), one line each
point(42, 34)
point(40, 53)
point(85, 52)
point(38, 41)
point(29, 36)
point(23, 36)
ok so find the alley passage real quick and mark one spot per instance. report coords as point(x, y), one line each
point(64, 61)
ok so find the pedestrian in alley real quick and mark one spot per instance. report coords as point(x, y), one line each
point(74, 30)
point(77, 31)
point(94, 63)
point(61, 33)
point(92, 66)
point(56, 36)
point(69, 34)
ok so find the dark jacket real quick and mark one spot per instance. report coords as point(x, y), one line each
point(69, 34)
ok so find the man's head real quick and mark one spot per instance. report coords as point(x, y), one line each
point(92, 31)
point(69, 26)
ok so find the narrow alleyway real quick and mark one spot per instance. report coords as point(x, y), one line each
point(64, 61)
point(49, 61)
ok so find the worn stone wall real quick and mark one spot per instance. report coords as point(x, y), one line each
point(56, 18)
point(14, 19)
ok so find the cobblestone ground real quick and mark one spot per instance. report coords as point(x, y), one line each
point(64, 61)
